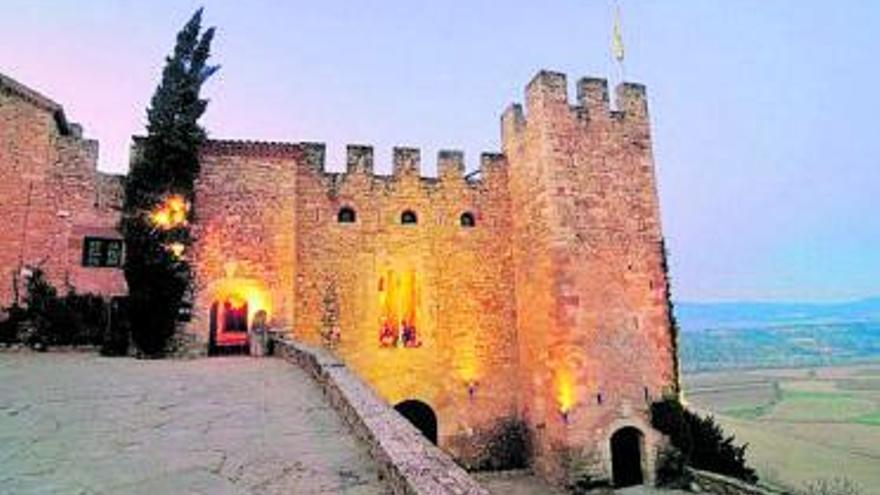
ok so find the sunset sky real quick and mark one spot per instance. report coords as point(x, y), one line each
point(765, 113)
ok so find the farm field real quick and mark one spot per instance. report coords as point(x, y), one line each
point(801, 424)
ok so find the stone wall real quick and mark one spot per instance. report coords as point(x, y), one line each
point(408, 462)
point(51, 196)
point(267, 227)
point(550, 308)
point(244, 230)
point(722, 485)
point(594, 333)
point(459, 275)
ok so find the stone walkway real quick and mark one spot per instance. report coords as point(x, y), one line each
point(82, 424)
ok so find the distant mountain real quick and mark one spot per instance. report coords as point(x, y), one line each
point(759, 335)
point(700, 316)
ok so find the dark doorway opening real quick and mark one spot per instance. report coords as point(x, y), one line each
point(212, 332)
point(228, 327)
point(626, 457)
point(235, 317)
point(421, 416)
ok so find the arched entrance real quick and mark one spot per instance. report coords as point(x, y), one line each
point(228, 328)
point(421, 416)
point(626, 457)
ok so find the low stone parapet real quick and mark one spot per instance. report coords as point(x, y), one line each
point(722, 485)
point(407, 460)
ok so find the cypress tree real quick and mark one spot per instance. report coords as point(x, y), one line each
point(159, 193)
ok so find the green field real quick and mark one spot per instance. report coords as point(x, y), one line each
point(801, 424)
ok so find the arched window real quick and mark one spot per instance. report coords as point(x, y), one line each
point(346, 215)
point(468, 220)
point(409, 217)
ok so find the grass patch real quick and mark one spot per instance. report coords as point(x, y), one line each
point(872, 419)
point(797, 405)
point(788, 394)
point(749, 412)
point(859, 384)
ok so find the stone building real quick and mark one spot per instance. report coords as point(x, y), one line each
point(531, 291)
point(59, 212)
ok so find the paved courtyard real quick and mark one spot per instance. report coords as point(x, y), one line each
point(82, 424)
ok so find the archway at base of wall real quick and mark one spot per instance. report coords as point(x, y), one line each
point(626, 457)
point(421, 416)
point(228, 329)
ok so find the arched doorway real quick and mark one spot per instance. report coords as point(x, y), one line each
point(421, 416)
point(228, 328)
point(626, 457)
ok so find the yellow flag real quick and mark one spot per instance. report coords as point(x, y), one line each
point(617, 38)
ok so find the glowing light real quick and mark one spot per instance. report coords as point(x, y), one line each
point(399, 309)
point(171, 213)
point(177, 249)
point(236, 301)
point(241, 292)
point(565, 391)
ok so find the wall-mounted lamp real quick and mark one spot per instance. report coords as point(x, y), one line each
point(472, 389)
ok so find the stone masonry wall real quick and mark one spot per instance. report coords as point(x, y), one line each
point(244, 231)
point(551, 308)
point(51, 196)
point(465, 320)
point(707, 482)
point(588, 266)
point(408, 462)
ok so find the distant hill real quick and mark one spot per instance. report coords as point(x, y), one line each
point(760, 335)
point(697, 316)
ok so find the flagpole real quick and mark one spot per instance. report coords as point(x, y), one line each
point(617, 46)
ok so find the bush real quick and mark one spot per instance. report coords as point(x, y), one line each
point(47, 319)
point(87, 315)
point(671, 472)
point(10, 326)
point(701, 441)
point(70, 320)
point(507, 447)
point(117, 337)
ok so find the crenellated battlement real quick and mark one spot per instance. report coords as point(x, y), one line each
point(406, 161)
point(359, 158)
point(547, 93)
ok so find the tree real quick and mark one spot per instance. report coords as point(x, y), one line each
point(701, 441)
point(159, 192)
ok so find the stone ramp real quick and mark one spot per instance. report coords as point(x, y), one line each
point(79, 423)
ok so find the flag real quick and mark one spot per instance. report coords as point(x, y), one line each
point(617, 38)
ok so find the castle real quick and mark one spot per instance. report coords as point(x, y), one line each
point(533, 290)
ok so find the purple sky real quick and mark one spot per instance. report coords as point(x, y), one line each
point(764, 112)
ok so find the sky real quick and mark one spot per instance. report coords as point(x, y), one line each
point(764, 112)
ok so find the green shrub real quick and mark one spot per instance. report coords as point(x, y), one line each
point(671, 472)
point(47, 319)
point(10, 325)
point(117, 337)
point(701, 441)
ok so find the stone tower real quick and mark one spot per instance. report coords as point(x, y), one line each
point(596, 346)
